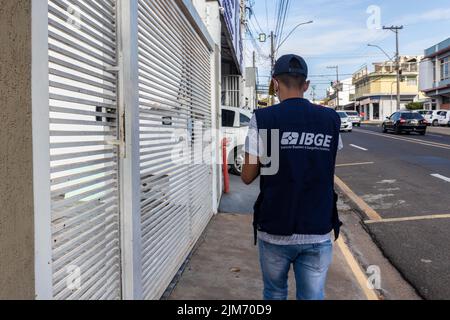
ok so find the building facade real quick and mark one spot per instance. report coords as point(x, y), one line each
point(376, 90)
point(435, 76)
point(346, 95)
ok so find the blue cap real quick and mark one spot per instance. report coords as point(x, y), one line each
point(283, 66)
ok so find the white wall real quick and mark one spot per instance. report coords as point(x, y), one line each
point(210, 15)
point(426, 78)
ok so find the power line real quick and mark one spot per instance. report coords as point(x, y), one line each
point(267, 15)
point(255, 44)
point(255, 18)
point(281, 19)
point(283, 22)
point(280, 11)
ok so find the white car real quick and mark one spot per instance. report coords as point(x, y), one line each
point(432, 117)
point(354, 117)
point(346, 123)
point(422, 112)
point(444, 118)
point(235, 125)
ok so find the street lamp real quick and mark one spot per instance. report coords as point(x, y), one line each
point(274, 50)
point(375, 46)
point(290, 33)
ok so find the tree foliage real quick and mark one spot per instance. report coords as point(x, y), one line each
point(414, 106)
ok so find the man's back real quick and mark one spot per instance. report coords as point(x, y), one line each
point(296, 209)
point(299, 198)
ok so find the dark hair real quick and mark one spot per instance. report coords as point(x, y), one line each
point(292, 81)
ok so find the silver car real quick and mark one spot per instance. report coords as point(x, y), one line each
point(354, 117)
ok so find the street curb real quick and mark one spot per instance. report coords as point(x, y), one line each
point(360, 203)
point(360, 211)
point(433, 130)
point(356, 267)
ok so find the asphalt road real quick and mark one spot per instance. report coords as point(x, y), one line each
point(407, 177)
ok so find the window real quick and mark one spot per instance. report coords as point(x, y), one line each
point(412, 116)
point(445, 69)
point(245, 121)
point(412, 82)
point(376, 111)
point(228, 118)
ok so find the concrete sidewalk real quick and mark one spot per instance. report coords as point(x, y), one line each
point(225, 264)
point(225, 267)
point(439, 130)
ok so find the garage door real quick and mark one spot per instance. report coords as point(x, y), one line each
point(175, 123)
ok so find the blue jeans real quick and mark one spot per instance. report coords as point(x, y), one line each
point(311, 263)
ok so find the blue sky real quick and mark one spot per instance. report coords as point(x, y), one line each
point(340, 33)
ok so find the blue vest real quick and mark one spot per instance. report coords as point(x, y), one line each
point(300, 198)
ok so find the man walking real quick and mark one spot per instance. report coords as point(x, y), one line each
point(296, 209)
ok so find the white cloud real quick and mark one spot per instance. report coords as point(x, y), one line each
point(333, 42)
point(434, 15)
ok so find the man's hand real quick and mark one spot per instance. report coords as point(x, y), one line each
point(250, 169)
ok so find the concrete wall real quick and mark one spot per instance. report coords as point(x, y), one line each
point(16, 162)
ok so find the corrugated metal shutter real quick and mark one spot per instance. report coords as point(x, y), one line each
point(84, 162)
point(175, 113)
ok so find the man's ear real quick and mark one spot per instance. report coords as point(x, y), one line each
point(306, 86)
point(276, 85)
point(272, 89)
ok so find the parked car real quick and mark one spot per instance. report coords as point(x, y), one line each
point(433, 117)
point(405, 121)
point(346, 123)
point(354, 117)
point(235, 124)
point(423, 112)
point(444, 118)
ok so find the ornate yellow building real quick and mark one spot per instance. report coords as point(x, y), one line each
point(376, 91)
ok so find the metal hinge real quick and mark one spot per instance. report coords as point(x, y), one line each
point(122, 138)
point(116, 143)
point(112, 68)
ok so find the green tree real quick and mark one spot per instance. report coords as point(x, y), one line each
point(414, 106)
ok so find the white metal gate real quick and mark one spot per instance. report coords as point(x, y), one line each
point(126, 92)
point(175, 122)
point(84, 157)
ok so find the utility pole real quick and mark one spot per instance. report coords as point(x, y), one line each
point(396, 30)
point(337, 85)
point(272, 61)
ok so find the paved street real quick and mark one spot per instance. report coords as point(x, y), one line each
point(405, 178)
